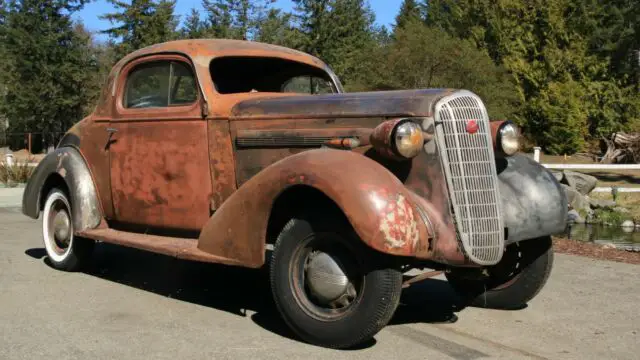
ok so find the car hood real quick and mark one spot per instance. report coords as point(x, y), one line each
point(378, 103)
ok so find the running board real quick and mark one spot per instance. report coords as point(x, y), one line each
point(181, 248)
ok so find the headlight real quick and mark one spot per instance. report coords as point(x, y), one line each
point(408, 139)
point(508, 138)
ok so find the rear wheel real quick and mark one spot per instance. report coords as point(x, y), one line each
point(65, 250)
point(516, 279)
point(327, 286)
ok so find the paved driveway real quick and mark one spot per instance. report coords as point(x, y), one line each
point(136, 305)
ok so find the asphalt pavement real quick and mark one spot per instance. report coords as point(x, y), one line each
point(135, 305)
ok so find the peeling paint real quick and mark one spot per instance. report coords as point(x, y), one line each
point(398, 224)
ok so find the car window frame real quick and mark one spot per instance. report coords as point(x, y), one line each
point(191, 110)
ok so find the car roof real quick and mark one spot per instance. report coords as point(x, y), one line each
point(202, 51)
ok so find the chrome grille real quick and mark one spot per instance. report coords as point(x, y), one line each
point(469, 165)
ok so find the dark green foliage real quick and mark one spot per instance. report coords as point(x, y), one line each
point(409, 12)
point(194, 27)
point(141, 23)
point(341, 32)
point(277, 28)
point(44, 72)
point(235, 19)
point(571, 59)
point(449, 62)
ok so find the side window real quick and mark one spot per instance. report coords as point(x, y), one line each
point(307, 85)
point(160, 84)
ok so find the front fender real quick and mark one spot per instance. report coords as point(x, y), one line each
point(71, 167)
point(378, 206)
point(533, 202)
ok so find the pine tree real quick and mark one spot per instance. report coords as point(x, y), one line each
point(409, 11)
point(45, 72)
point(277, 28)
point(235, 19)
point(193, 27)
point(313, 21)
point(141, 23)
point(342, 33)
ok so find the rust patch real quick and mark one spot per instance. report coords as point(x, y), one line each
point(398, 223)
point(221, 162)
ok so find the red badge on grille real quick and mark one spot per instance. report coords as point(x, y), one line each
point(472, 126)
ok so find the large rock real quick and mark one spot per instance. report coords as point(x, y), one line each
point(602, 204)
point(581, 182)
point(557, 174)
point(576, 200)
point(575, 218)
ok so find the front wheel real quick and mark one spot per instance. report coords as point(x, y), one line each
point(65, 250)
point(325, 285)
point(516, 279)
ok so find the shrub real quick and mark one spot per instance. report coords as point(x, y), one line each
point(15, 174)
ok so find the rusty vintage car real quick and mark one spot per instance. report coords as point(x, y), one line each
point(248, 154)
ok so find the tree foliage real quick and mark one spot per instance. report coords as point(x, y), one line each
point(410, 11)
point(141, 23)
point(44, 72)
point(567, 70)
point(561, 53)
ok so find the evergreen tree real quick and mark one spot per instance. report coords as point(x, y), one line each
point(277, 28)
point(193, 27)
point(235, 19)
point(409, 11)
point(45, 72)
point(312, 19)
point(560, 54)
point(141, 23)
point(341, 32)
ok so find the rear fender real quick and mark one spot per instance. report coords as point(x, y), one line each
point(67, 163)
point(378, 206)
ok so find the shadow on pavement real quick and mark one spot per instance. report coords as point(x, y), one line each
point(235, 289)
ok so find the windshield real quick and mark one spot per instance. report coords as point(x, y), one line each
point(233, 75)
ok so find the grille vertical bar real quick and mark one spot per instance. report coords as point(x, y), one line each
point(469, 164)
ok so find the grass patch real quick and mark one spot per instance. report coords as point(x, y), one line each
point(16, 174)
point(630, 201)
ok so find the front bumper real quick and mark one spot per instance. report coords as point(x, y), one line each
point(533, 202)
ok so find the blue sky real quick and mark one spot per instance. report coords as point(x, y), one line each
point(385, 10)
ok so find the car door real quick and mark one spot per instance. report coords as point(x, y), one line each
point(158, 146)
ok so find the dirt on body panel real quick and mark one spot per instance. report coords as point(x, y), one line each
point(160, 173)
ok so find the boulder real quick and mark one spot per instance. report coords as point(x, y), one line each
point(602, 204)
point(575, 218)
point(576, 200)
point(581, 182)
point(558, 175)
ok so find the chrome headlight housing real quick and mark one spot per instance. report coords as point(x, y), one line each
point(508, 140)
point(408, 139)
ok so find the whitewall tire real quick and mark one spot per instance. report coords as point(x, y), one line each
point(65, 250)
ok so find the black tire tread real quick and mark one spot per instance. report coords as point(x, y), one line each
point(388, 280)
point(530, 282)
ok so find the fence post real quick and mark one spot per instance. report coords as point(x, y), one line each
point(536, 154)
point(29, 143)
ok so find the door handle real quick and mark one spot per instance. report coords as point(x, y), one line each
point(111, 131)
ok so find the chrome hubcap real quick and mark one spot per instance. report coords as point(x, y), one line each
point(327, 280)
point(62, 227)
